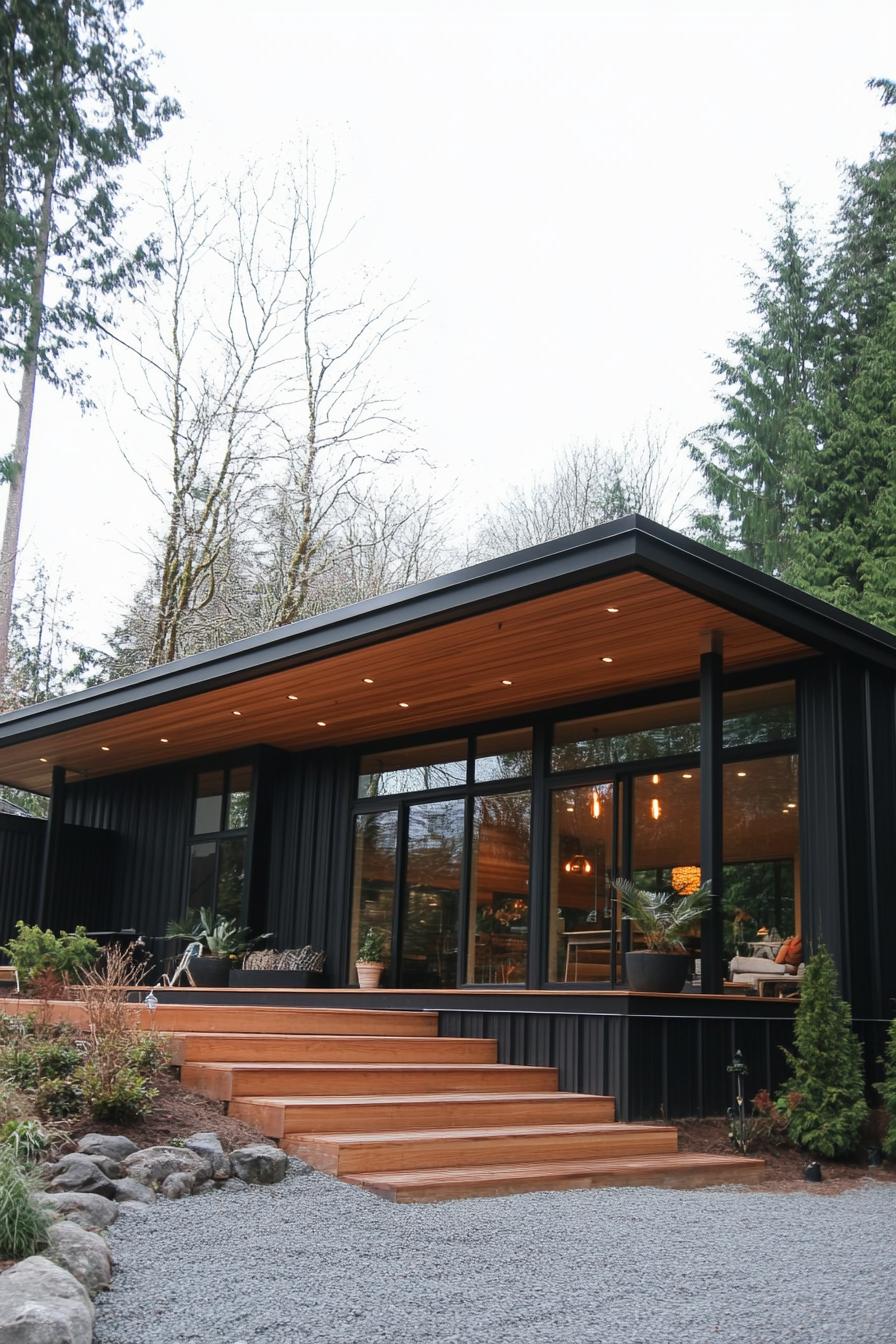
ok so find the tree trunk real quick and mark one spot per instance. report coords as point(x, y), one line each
point(12, 526)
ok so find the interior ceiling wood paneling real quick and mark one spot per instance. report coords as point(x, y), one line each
point(551, 648)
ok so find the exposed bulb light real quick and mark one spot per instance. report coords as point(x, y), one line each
point(655, 810)
point(579, 863)
point(654, 779)
point(595, 804)
point(791, 806)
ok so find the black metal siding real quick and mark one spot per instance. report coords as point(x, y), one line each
point(21, 856)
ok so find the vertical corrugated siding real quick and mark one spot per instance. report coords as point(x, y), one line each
point(21, 857)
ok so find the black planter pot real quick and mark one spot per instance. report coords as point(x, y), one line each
point(210, 972)
point(277, 979)
point(657, 972)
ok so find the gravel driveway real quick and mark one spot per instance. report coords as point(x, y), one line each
point(315, 1260)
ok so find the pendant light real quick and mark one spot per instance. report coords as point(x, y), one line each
point(595, 804)
point(579, 863)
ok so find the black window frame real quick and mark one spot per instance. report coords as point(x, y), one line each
point(217, 838)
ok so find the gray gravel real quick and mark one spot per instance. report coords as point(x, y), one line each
point(313, 1259)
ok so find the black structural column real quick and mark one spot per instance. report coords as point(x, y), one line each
point(52, 848)
point(711, 809)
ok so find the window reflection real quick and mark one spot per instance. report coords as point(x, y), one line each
point(761, 891)
point(432, 894)
point(499, 890)
point(582, 863)
point(373, 878)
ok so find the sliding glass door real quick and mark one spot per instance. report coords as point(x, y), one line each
point(430, 898)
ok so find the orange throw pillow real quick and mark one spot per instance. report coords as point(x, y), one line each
point(795, 952)
point(783, 957)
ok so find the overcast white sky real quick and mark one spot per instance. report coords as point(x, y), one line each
point(573, 191)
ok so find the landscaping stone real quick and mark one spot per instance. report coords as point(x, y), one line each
point(209, 1146)
point(82, 1253)
point(107, 1165)
point(129, 1190)
point(259, 1164)
point(115, 1146)
point(76, 1172)
point(42, 1303)
point(151, 1166)
point(91, 1211)
point(177, 1185)
point(234, 1184)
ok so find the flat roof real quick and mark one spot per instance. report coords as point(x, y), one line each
point(521, 633)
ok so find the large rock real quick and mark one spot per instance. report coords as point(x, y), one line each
point(82, 1253)
point(90, 1211)
point(42, 1303)
point(259, 1163)
point(107, 1165)
point(151, 1166)
point(77, 1172)
point(128, 1190)
point(209, 1146)
point(177, 1185)
point(115, 1146)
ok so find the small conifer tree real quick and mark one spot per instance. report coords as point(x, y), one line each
point(887, 1091)
point(824, 1098)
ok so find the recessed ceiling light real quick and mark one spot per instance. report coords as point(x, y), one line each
point(613, 610)
point(368, 681)
point(785, 810)
point(606, 660)
point(44, 760)
point(292, 697)
point(741, 774)
point(687, 776)
point(163, 739)
point(570, 807)
point(791, 806)
point(403, 704)
point(237, 713)
point(105, 748)
point(505, 681)
point(321, 723)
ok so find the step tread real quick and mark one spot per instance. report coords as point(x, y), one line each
point(337, 1038)
point(591, 1166)
point(375, 1066)
point(419, 1098)
point(399, 1136)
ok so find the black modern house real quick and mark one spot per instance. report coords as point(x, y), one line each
point(467, 765)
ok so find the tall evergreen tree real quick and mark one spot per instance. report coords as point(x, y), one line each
point(754, 456)
point(76, 106)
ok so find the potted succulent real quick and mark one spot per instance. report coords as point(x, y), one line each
point(222, 939)
point(369, 962)
point(664, 919)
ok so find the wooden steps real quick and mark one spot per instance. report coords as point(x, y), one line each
point(412, 1150)
point(678, 1170)
point(280, 1116)
point(209, 1047)
point(226, 1081)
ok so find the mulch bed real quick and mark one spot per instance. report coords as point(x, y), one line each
point(176, 1114)
point(784, 1165)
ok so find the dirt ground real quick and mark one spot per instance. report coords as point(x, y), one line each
point(176, 1114)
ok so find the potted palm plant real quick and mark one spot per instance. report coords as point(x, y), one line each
point(222, 939)
point(369, 962)
point(664, 919)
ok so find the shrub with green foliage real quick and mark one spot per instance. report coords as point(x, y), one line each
point(824, 1098)
point(887, 1091)
point(23, 1223)
point(26, 1063)
point(59, 1098)
point(34, 950)
point(125, 1095)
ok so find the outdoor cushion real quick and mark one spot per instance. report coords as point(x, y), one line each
point(756, 966)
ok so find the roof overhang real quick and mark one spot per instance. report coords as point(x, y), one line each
point(441, 654)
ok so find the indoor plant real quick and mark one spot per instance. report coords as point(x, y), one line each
point(664, 918)
point(369, 962)
point(223, 940)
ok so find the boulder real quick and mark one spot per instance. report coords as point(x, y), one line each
point(177, 1185)
point(42, 1303)
point(209, 1146)
point(234, 1184)
point(90, 1211)
point(259, 1164)
point(76, 1172)
point(115, 1146)
point(151, 1166)
point(107, 1165)
point(82, 1253)
point(127, 1189)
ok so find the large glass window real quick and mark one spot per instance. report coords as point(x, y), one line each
point(373, 878)
point(761, 887)
point(666, 837)
point(437, 765)
point(582, 866)
point(504, 755)
point(759, 714)
point(216, 876)
point(498, 933)
point(431, 896)
point(642, 734)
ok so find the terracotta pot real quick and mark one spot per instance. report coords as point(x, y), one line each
point(657, 972)
point(369, 973)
